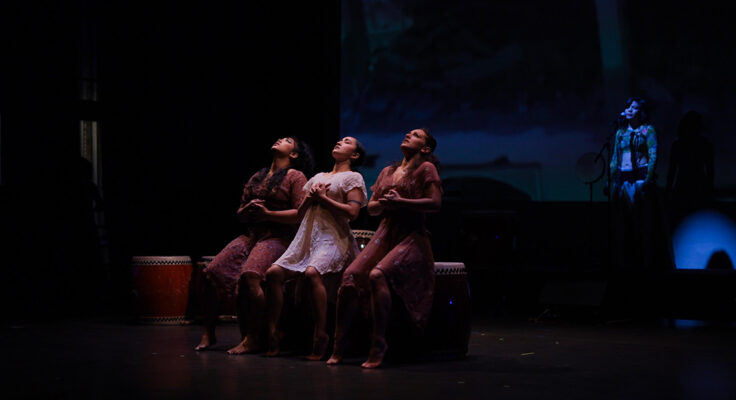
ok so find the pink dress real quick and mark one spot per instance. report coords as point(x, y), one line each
point(255, 251)
point(400, 247)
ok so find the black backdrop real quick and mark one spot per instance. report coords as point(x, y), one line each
point(190, 99)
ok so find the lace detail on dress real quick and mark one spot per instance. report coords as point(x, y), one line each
point(324, 240)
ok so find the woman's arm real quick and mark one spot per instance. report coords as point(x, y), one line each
point(652, 153)
point(613, 170)
point(375, 207)
point(431, 202)
point(256, 211)
point(350, 209)
point(614, 153)
point(307, 202)
point(289, 217)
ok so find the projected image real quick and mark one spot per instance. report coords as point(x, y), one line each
point(503, 106)
point(515, 92)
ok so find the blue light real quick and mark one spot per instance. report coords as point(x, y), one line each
point(688, 323)
point(699, 236)
point(450, 302)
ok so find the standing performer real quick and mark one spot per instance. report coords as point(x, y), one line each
point(324, 244)
point(269, 209)
point(640, 235)
point(399, 256)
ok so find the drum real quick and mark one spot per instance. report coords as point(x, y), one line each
point(447, 333)
point(161, 288)
point(448, 328)
point(362, 237)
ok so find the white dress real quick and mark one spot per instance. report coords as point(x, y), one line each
point(324, 240)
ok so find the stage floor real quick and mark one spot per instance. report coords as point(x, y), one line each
point(524, 360)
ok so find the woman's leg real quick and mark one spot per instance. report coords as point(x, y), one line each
point(255, 299)
point(347, 306)
point(220, 279)
point(319, 310)
point(210, 316)
point(381, 307)
point(252, 304)
point(275, 277)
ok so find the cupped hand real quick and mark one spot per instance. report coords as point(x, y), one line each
point(390, 200)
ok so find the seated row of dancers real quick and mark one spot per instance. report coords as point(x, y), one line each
point(398, 257)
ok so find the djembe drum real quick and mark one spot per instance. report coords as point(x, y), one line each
point(162, 288)
point(448, 329)
point(362, 237)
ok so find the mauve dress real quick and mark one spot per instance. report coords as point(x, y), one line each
point(400, 248)
point(264, 242)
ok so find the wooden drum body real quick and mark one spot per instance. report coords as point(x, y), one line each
point(162, 288)
point(449, 324)
point(448, 330)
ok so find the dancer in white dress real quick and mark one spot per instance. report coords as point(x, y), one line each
point(323, 244)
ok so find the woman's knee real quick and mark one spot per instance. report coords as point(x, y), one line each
point(312, 273)
point(274, 274)
point(251, 280)
point(376, 275)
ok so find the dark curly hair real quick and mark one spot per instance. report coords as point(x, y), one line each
point(643, 115)
point(360, 149)
point(304, 163)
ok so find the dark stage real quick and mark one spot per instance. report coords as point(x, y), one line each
point(665, 359)
point(129, 129)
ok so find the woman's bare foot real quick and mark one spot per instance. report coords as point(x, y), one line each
point(249, 345)
point(335, 359)
point(375, 358)
point(208, 339)
point(319, 348)
point(337, 351)
point(274, 341)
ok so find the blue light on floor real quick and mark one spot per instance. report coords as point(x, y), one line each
point(688, 323)
point(701, 235)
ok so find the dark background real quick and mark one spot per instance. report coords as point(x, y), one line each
point(190, 97)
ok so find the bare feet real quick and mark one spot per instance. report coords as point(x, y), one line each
point(249, 345)
point(319, 348)
point(274, 340)
point(208, 339)
point(375, 358)
point(337, 351)
point(335, 359)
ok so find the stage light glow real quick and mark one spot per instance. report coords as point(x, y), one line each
point(700, 236)
point(688, 323)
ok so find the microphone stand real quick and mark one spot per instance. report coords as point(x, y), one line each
point(607, 190)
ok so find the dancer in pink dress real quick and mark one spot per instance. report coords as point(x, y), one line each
point(324, 244)
point(399, 256)
point(268, 209)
